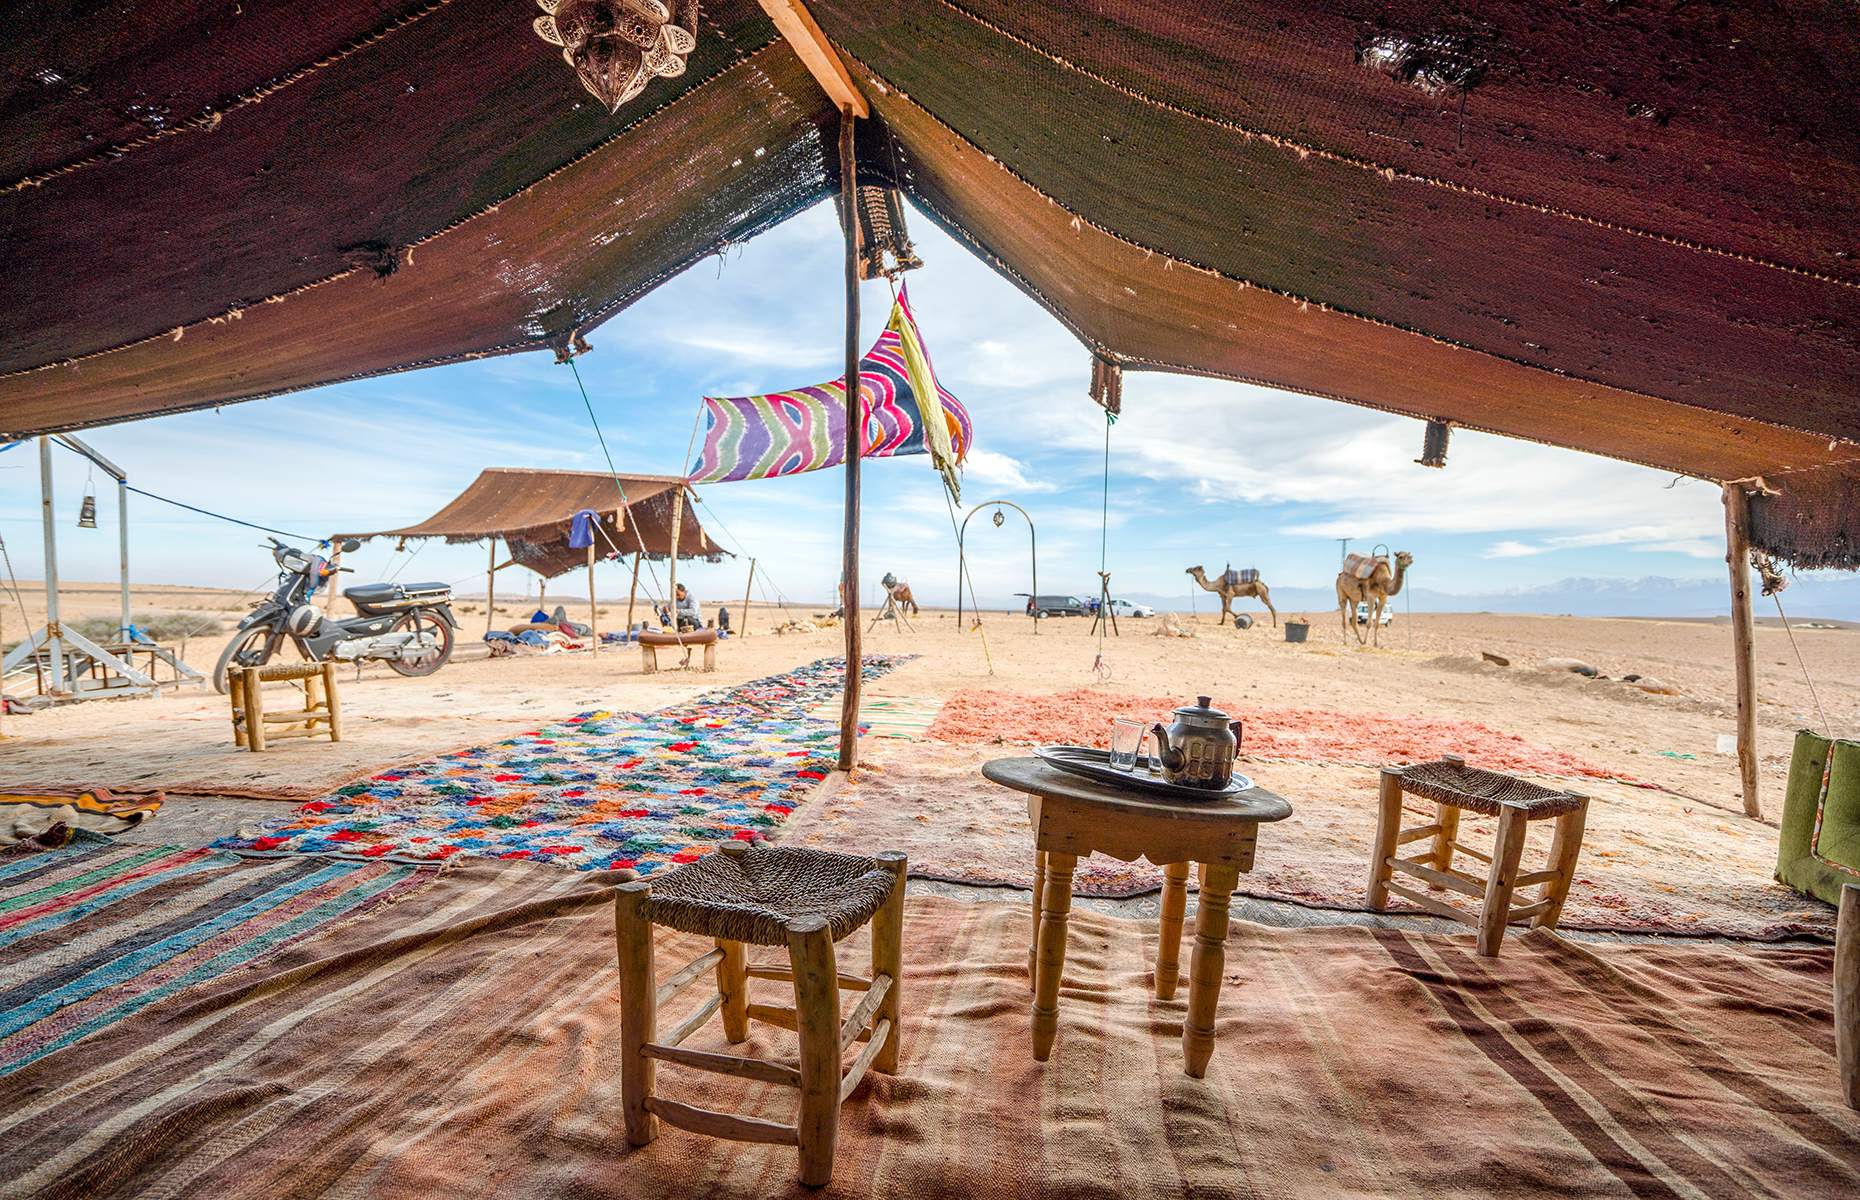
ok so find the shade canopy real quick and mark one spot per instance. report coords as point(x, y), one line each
point(1622, 228)
point(533, 512)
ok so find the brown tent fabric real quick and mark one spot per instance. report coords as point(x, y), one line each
point(533, 511)
point(1625, 229)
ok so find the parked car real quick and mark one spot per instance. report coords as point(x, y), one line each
point(1362, 613)
point(1055, 606)
point(1124, 608)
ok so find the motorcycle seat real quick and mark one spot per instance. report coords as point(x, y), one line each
point(389, 593)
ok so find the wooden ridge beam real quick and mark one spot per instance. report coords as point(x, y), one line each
point(816, 53)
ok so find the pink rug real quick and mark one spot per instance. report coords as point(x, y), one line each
point(1083, 717)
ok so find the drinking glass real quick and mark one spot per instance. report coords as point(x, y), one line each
point(1126, 738)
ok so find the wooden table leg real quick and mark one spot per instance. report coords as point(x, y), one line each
point(1205, 967)
point(1169, 949)
point(1055, 904)
point(1039, 906)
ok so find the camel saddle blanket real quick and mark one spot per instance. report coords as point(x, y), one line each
point(1235, 578)
point(1362, 566)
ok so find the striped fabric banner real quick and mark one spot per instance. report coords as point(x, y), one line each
point(785, 433)
point(92, 933)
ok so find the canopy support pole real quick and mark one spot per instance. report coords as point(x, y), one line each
point(54, 647)
point(1743, 639)
point(748, 584)
point(671, 586)
point(593, 617)
point(490, 588)
point(634, 591)
point(855, 446)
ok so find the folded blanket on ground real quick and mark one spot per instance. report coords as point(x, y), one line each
point(30, 815)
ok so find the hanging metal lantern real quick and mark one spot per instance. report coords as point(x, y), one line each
point(87, 515)
point(1000, 518)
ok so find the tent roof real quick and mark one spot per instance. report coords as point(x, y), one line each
point(1631, 232)
point(533, 511)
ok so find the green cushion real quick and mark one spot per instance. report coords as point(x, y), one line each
point(1819, 847)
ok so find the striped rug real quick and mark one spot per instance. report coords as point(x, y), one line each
point(888, 716)
point(92, 933)
point(468, 1046)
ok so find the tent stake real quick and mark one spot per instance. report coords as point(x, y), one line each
point(1743, 639)
point(855, 446)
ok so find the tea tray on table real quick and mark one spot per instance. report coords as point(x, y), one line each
point(1096, 765)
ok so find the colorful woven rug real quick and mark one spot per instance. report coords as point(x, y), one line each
point(468, 1044)
point(888, 716)
point(596, 791)
point(93, 932)
point(1312, 735)
point(34, 816)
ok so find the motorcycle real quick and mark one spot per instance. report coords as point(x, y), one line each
point(409, 626)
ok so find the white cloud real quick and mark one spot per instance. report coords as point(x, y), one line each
point(994, 470)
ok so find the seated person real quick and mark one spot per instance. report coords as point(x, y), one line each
point(685, 608)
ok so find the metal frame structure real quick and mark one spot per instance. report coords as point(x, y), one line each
point(69, 666)
point(962, 561)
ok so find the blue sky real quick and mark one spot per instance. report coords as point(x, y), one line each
point(1201, 472)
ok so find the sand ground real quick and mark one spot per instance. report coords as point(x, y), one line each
point(1432, 668)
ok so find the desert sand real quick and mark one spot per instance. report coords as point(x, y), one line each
point(181, 742)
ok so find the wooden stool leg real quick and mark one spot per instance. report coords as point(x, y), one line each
point(888, 959)
point(648, 660)
point(1847, 993)
point(817, 1020)
point(1448, 818)
point(1055, 905)
point(330, 700)
point(235, 686)
point(1565, 849)
point(639, 1010)
point(1039, 906)
point(1206, 966)
point(733, 986)
point(1503, 878)
point(254, 711)
point(1169, 949)
point(1388, 828)
point(710, 656)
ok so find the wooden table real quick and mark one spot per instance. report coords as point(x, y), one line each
point(1073, 816)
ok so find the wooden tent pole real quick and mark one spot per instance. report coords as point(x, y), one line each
point(671, 587)
point(855, 447)
point(1743, 639)
point(747, 585)
point(634, 591)
point(593, 622)
point(490, 588)
point(1847, 992)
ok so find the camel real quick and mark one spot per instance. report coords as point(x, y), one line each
point(1376, 590)
point(900, 592)
point(1229, 592)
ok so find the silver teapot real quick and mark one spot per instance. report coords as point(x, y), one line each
point(1197, 748)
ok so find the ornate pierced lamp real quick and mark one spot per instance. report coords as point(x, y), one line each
point(617, 47)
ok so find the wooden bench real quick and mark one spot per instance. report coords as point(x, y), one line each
point(320, 716)
point(651, 643)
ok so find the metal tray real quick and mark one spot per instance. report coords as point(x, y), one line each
point(1096, 765)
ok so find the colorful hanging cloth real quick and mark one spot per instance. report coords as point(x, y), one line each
point(785, 433)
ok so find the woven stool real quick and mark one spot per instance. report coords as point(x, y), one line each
point(253, 726)
point(788, 896)
point(1452, 786)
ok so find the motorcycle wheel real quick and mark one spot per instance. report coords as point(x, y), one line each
point(251, 639)
point(442, 633)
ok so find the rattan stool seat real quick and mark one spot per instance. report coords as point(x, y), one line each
point(752, 897)
point(1481, 791)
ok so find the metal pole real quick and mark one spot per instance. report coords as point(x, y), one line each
point(122, 520)
point(1743, 640)
point(855, 447)
point(53, 646)
point(593, 621)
